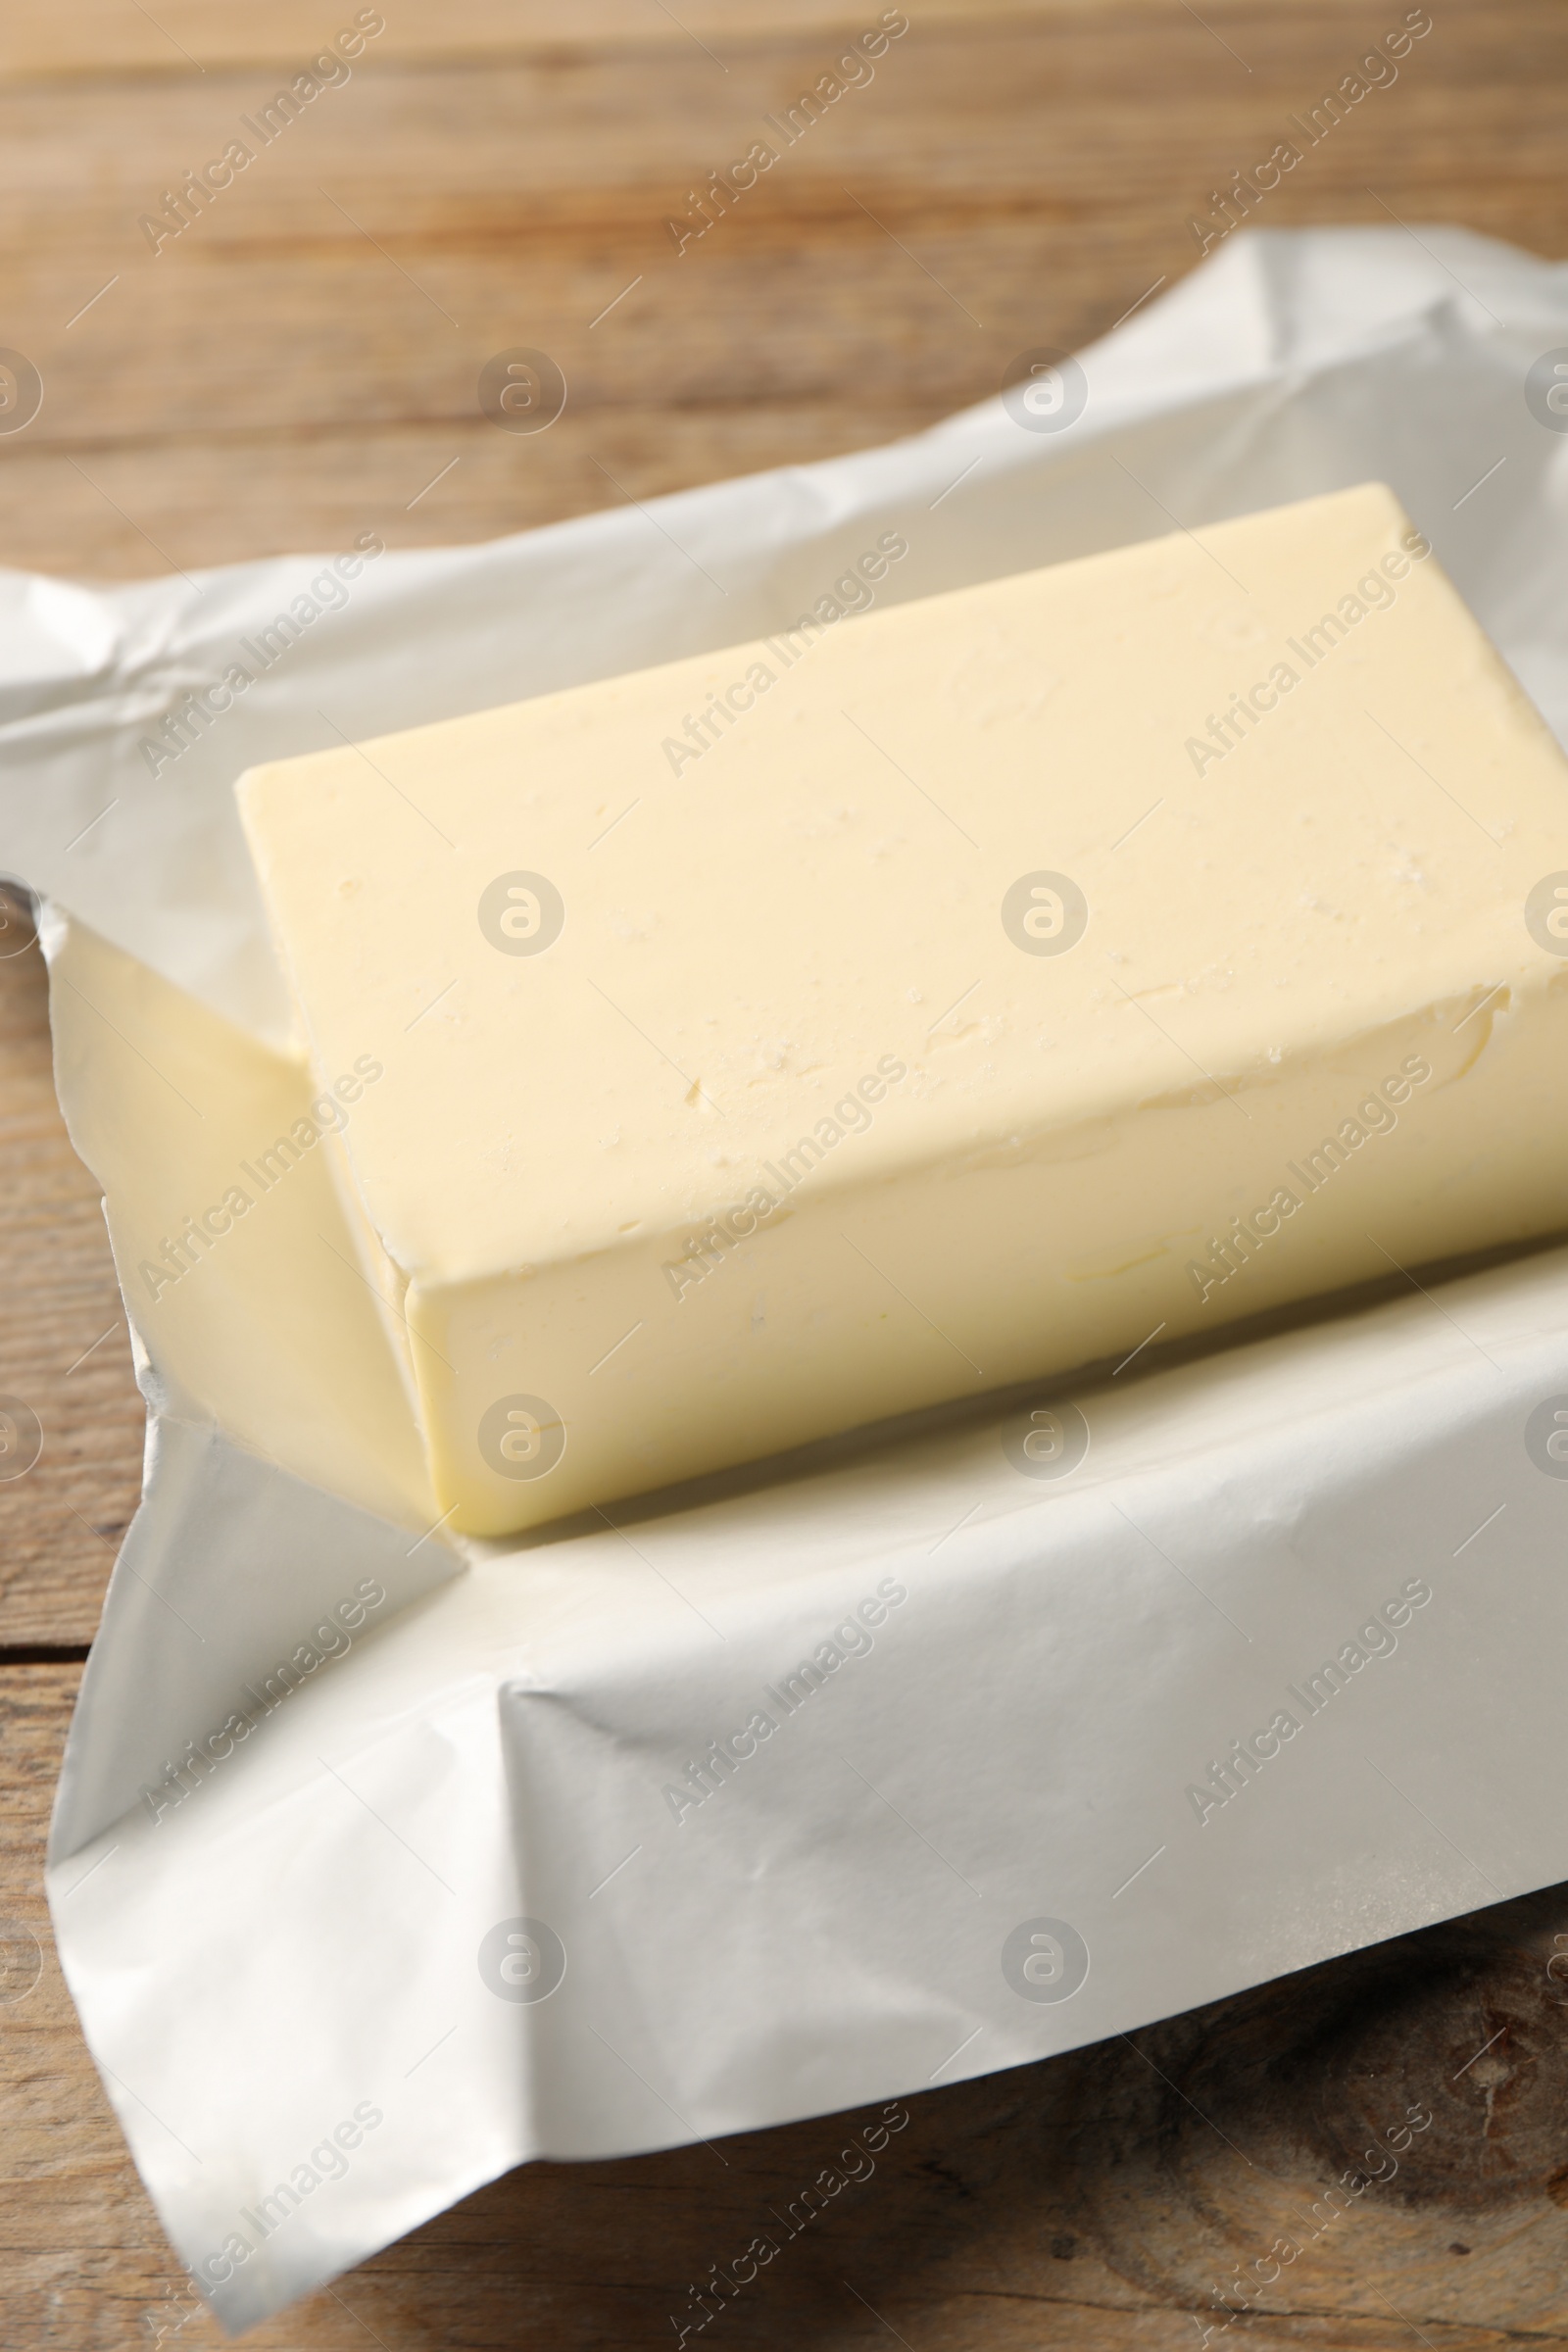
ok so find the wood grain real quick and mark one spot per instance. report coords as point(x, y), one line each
point(64, 1349)
point(302, 361)
point(301, 364)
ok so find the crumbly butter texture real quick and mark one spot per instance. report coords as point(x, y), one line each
point(1016, 974)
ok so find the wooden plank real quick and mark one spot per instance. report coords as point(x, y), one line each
point(112, 37)
point(65, 1355)
point(298, 365)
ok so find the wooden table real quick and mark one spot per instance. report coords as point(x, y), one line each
point(297, 365)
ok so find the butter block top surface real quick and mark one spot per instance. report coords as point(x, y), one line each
point(1126, 830)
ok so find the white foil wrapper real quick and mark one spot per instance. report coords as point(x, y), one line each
point(381, 1864)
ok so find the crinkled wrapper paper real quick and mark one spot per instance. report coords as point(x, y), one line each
point(378, 1863)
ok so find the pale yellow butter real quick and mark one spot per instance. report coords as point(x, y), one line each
point(887, 1012)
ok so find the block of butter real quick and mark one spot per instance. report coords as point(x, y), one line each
point(884, 1012)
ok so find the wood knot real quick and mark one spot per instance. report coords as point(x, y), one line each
point(1297, 2130)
